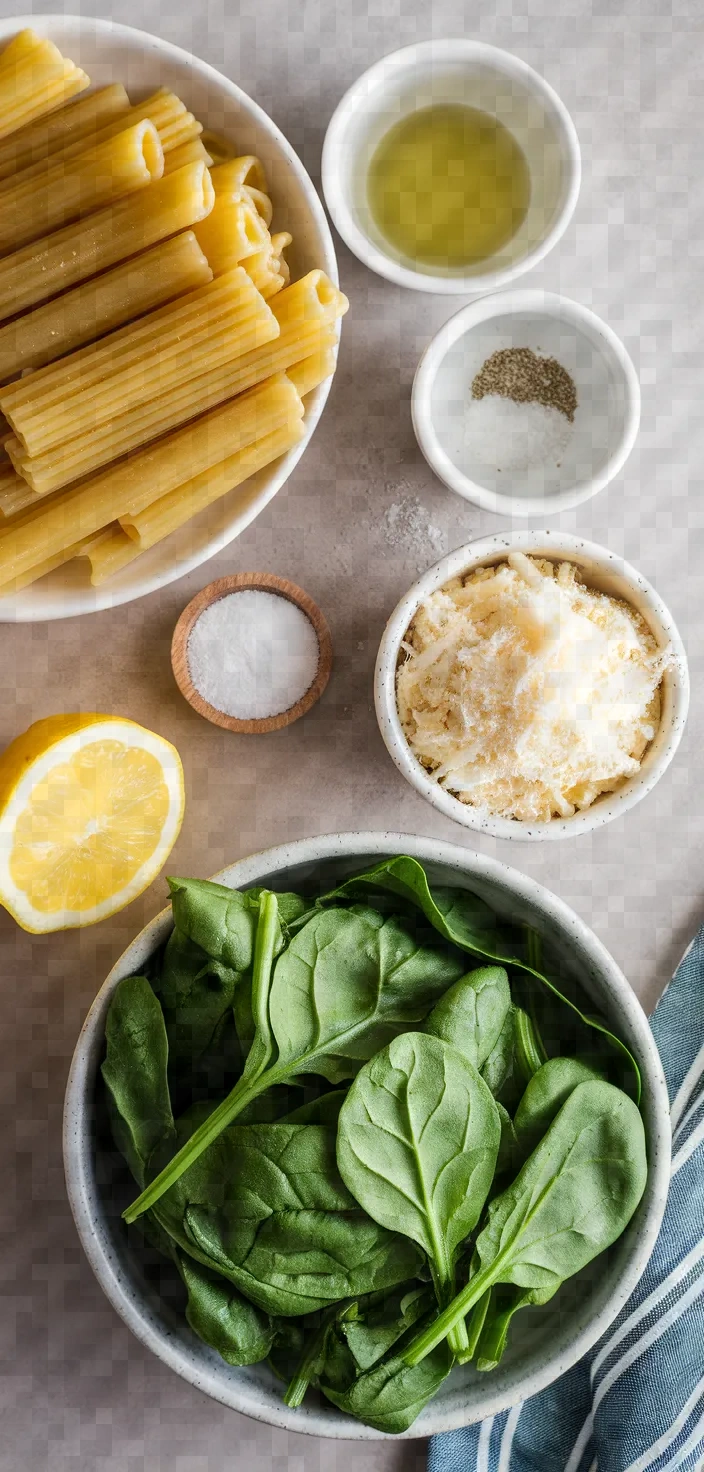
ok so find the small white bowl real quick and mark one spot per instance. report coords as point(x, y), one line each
point(546, 1342)
point(598, 442)
point(454, 71)
point(607, 573)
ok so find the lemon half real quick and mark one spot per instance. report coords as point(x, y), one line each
point(90, 808)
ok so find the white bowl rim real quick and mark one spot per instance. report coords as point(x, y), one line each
point(505, 304)
point(78, 1166)
point(372, 255)
point(73, 604)
point(560, 546)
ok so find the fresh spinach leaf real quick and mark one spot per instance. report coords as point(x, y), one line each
point(466, 921)
point(347, 983)
point(417, 1143)
point(222, 1317)
point(472, 1013)
point(267, 943)
point(292, 907)
point(135, 1073)
point(323, 1110)
point(196, 994)
point(530, 1054)
point(265, 1207)
point(500, 1071)
point(474, 1326)
point(391, 1395)
point(221, 921)
point(371, 1334)
point(508, 1155)
point(505, 1302)
point(387, 978)
point(312, 1360)
point(573, 1197)
point(545, 1095)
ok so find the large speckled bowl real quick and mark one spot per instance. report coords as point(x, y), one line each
point(546, 1341)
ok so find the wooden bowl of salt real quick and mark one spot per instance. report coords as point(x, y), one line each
point(252, 653)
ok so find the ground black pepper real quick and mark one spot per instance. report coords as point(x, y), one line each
point(519, 374)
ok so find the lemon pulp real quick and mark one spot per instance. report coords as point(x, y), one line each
point(89, 826)
point(90, 807)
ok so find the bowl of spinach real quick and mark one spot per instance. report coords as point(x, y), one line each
point(367, 1137)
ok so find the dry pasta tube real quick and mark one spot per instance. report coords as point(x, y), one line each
point(103, 304)
point(279, 243)
point(49, 387)
point(128, 487)
point(267, 268)
point(264, 273)
point(314, 298)
point(307, 314)
point(19, 47)
point(65, 464)
point(109, 553)
point(83, 249)
point(232, 177)
point(65, 126)
point(262, 204)
point(303, 330)
point(232, 231)
point(15, 494)
point(173, 511)
point(312, 301)
point(170, 116)
point(65, 191)
point(186, 153)
point(166, 348)
point(40, 570)
point(311, 371)
point(34, 78)
point(174, 124)
point(218, 147)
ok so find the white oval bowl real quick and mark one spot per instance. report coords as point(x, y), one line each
point(607, 573)
point(608, 401)
point(453, 71)
point(547, 1341)
point(115, 53)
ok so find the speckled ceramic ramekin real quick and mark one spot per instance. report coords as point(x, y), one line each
point(602, 570)
point(546, 1341)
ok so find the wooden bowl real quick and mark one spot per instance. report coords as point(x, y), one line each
point(263, 582)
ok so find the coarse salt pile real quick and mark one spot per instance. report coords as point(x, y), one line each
point(526, 694)
point(253, 654)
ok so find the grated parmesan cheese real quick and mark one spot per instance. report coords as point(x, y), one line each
point(527, 694)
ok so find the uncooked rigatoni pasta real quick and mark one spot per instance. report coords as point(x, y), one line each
point(102, 304)
point(306, 313)
point(164, 516)
point(34, 78)
point(175, 125)
point(152, 356)
point(219, 321)
point(82, 117)
point(126, 488)
point(66, 190)
point(81, 250)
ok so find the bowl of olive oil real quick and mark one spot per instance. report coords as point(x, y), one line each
point(451, 166)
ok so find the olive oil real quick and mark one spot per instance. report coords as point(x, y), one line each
point(448, 186)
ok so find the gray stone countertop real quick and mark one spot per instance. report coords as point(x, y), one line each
point(359, 519)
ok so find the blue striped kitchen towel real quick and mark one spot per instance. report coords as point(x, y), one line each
point(636, 1402)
